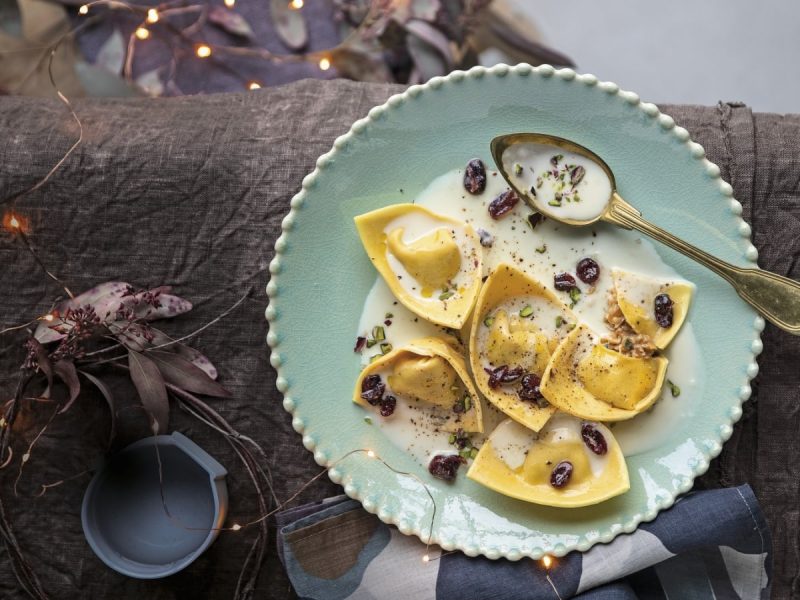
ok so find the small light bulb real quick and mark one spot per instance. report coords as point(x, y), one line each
point(230, 3)
point(142, 33)
point(203, 51)
point(296, 4)
point(236, 527)
point(324, 64)
point(547, 561)
point(84, 9)
point(48, 317)
point(426, 558)
point(253, 85)
point(152, 16)
point(14, 222)
point(370, 453)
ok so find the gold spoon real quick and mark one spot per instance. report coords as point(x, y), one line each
point(777, 298)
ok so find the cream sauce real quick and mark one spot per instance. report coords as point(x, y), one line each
point(542, 251)
point(564, 184)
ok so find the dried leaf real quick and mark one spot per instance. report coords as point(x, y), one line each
point(43, 360)
point(99, 83)
point(179, 371)
point(428, 58)
point(67, 373)
point(106, 299)
point(360, 65)
point(150, 82)
point(231, 22)
point(151, 389)
point(111, 55)
point(25, 58)
point(434, 38)
point(425, 9)
point(193, 356)
point(106, 392)
point(289, 24)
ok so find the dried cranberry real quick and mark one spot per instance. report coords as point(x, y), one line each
point(372, 389)
point(475, 176)
point(663, 309)
point(511, 375)
point(529, 387)
point(388, 405)
point(503, 204)
point(588, 270)
point(561, 474)
point(461, 439)
point(595, 440)
point(496, 375)
point(564, 282)
point(360, 343)
point(445, 466)
point(459, 407)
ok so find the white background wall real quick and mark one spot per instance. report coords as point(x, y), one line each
point(682, 51)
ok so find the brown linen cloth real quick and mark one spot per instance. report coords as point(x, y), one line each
point(191, 192)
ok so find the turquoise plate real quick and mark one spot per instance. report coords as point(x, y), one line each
point(321, 275)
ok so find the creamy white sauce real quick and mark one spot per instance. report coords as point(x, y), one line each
point(417, 225)
point(511, 442)
point(573, 188)
point(516, 243)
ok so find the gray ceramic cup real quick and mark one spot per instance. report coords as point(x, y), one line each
point(123, 514)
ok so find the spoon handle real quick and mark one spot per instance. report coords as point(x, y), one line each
point(777, 298)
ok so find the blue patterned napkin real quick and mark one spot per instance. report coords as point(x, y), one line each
point(710, 545)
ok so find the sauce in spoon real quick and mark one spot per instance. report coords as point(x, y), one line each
point(562, 183)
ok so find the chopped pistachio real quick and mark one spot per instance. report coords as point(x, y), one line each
point(367, 420)
point(539, 182)
point(371, 343)
point(517, 169)
point(473, 452)
point(628, 344)
point(527, 311)
point(467, 402)
point(465, 453)
point(542, 249)
point(488, 321)
point(374, 357)
point(571, 326)
point(559, 321)
point(388, 315)
point(674, 389)
point(451, 439)
point(378, 333)
point(445, 296)
point(574, 295)
point(554, 203)
point(386, 348)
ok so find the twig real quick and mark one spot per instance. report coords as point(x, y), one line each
point(26, 457)
point(47, 486)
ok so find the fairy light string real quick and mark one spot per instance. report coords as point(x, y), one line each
point(157, 19)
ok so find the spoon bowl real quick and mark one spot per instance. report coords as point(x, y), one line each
point(502, 146)
point(576, 187)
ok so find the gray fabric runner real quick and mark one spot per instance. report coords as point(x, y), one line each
point(190, 192)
